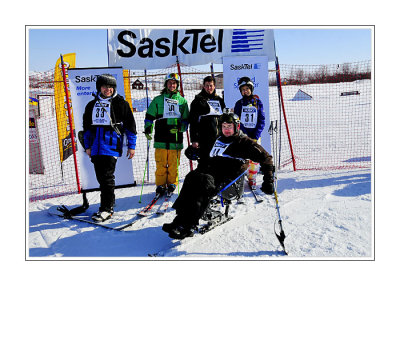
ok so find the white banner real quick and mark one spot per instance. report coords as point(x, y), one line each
point(82, 84)
point(155, 49)
point(256, 68)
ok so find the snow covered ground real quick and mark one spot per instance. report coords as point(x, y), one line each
point(326, 215)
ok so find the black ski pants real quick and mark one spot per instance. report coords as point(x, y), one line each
point(197, 191)
point(104, 167)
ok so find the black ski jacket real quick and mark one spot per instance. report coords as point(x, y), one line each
point(204, 127)
point(233, 161)
point(205, 181)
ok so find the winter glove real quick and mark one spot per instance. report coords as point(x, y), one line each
point(192, 153)
point(174, 131)
point(268, 186)
point(147, 132)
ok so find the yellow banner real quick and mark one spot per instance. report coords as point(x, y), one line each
point(63, 127)
point(127, 87)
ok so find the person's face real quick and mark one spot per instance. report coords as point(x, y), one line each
point(228, 129)
point(245, 91)
point(106, 91)
point(172, 85)
point(209, 87)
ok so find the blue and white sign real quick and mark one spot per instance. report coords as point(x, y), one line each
point(155, 49)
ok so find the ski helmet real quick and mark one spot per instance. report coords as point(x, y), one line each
point(172, 76)
point(245, 81)
point(106, 80)
point(231, 118)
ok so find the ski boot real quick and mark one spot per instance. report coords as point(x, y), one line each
point(101, 216)
point(181, 232)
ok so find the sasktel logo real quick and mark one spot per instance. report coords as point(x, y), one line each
point(247, 40)
point(245, 66)
point(192, 42)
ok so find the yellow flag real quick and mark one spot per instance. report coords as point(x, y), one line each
point(127, 87)
point(63, 127)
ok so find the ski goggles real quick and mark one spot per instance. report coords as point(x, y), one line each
point(172, 76)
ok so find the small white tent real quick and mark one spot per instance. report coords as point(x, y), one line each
point(301, 95)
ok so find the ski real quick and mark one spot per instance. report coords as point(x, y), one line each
point(145, 211)
point(162, 252)
point(256, 194)
point(84, 220)
point(212, 224)
point(200, 229)
point(281, 236)
point(162, 209)
point(240, 201)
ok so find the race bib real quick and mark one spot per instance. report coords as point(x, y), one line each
point(171, 108)
point(248, 117)
point(219, 149)
point(215, 107)
point(101, 113)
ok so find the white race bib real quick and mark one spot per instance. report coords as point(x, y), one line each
point(171, 108)
point(219, 149)
point(248, 117)
point(215, 107)
point(101, 113)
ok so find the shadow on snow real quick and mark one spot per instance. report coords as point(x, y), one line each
point(354, 184)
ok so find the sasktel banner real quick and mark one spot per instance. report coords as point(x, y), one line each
point(155, 49)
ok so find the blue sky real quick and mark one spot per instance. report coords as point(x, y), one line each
point(293, 46)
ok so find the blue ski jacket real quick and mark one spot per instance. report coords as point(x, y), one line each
point(255, 132)
point(108, 139)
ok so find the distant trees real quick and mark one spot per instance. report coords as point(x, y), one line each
point(346, 72)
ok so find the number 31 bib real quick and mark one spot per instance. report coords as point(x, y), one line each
point(248, 117)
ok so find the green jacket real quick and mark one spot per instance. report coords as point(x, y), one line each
point(172, 118)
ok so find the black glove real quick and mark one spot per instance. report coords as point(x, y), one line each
point(192, 153)
point(147, 132)
point(268, 186)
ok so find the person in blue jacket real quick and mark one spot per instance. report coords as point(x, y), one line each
point(107, 118)
point(250, 110)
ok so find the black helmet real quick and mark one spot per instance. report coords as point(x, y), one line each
point(229, 117)
point(192, 153)
point(245, 81)
point(106, 79)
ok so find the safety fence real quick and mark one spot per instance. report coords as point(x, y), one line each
point(321, 118)
point(328, 110)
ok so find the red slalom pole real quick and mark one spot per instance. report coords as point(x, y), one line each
point(279, 85)
point(70, 124)
point(181, 91)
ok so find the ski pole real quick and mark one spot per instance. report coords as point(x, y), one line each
point(147, 107)
point(177, 159)
point(144, 174)
point(281, 236)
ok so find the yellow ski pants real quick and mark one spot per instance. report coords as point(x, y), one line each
point(167, 163)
